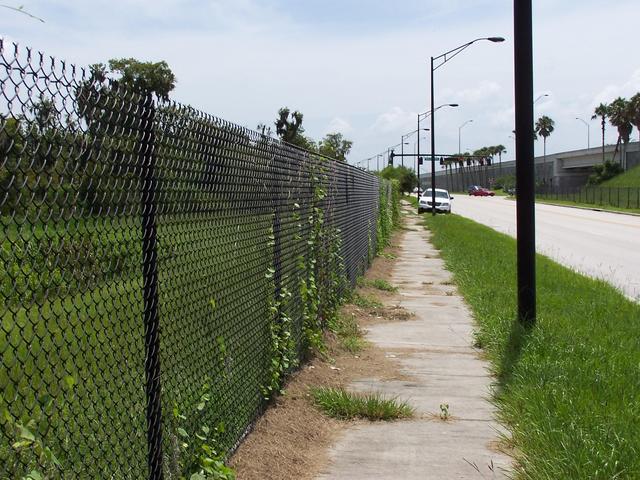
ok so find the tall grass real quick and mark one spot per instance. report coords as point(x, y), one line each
point(570, 386)
point(339, 403)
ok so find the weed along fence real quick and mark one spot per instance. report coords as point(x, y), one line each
point(162, 271)
point(620, 197)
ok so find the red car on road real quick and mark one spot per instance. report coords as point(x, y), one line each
point(480, 192)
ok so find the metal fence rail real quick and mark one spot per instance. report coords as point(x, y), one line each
point(157, 262)
point(619, 197)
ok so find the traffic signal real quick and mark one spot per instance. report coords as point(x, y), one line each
point(419, 160)
point(390, 161)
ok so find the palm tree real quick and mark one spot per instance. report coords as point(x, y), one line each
point(601, 111)
point(499, 150)
point(621, 116)
point(635, 110)
point(544, 128)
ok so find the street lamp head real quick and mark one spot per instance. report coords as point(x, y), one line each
point(453, 105)
point(495, 39)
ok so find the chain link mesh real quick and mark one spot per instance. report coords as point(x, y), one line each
point(152, 254)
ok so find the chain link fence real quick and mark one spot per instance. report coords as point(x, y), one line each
point(618, 197)
point(162, 271)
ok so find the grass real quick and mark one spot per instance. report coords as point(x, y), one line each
point(569, 388)
point(364, 301)
point(348, 332)
point(630, 178)
point(622, 199)
point(377, 283)
point(570, 203)
point(344, 405)
point(93, 333)
point(411, 199)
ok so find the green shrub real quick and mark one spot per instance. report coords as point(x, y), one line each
point(604, 171)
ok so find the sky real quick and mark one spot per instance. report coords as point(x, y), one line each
point(359, 67)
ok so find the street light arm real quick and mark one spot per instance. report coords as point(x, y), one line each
point(445, 57)
point(426, 114)
point(407, 135)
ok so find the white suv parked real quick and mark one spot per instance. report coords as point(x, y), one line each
point(443, 201)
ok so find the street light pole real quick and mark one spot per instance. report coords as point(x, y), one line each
point(525, 174)
point(433, 148)
point(418, 160)
point(588, 132)
point(445, 57)
point(430, 112)
point(459, 134)
point(403, 143)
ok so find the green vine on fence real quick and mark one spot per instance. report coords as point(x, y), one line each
point(282, 346)
point(199, 455)
point(29, 445)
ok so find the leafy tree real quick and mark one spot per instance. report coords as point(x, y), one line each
point(334, 145)
point(289, 129)
point(142, 77)
point(406, 177)
point(544, 127)
point(621, 116)
point(109, 103)
point(601, 111)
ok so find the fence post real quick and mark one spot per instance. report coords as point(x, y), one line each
point(150, 288)
point(628, 197)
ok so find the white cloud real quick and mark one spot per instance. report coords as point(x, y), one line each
point(611, 92)
point(338, 125)
point(243, 59)
point(395, 120)
point(479, 93)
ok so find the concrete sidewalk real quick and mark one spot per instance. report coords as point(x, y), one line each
point(435, 350)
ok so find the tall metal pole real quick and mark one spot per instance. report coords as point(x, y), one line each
point(151, 319)
point(418, 159)
point(525, 175)
point(588, 132)
point(460, 134)
point(433, 148)
point(402, 149)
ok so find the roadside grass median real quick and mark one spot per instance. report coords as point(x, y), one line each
point(591, 206)
point(569, 387)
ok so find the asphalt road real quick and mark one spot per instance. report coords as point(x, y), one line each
point(598, 244)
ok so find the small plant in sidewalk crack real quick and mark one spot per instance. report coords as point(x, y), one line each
point(444, 412)
point(344, 405)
